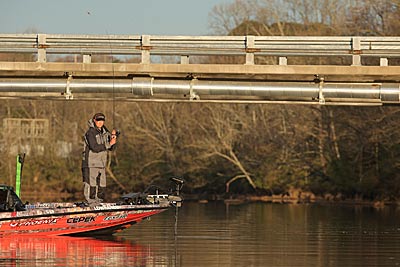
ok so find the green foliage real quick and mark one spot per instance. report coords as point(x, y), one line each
point(342, 177)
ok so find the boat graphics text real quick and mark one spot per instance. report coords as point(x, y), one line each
point(116, 217)
point(87, 219)
point(34, 222)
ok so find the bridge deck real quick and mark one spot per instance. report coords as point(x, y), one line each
point(177, 59)
point(205, 71)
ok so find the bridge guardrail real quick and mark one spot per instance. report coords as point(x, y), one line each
point(248, 46)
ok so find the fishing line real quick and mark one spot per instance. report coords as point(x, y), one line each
point(113, 75)
point(113, 80)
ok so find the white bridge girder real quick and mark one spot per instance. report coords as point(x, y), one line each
point(193, 89)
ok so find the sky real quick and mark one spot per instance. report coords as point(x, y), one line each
point(136, 17)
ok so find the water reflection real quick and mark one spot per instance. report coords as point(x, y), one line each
point(261, 234)
point(72, 251)
point(215, 234)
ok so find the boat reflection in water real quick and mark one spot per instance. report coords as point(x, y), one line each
point(72, 251)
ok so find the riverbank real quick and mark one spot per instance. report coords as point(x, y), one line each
point(291, 197)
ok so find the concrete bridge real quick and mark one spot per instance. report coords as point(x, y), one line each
point(256, 69)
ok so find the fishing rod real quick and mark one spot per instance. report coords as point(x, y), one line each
point(113, 80)
point(89, 13)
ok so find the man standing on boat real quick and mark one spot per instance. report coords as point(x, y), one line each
point(98, 140)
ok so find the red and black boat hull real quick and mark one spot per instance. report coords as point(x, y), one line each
point(54, 221)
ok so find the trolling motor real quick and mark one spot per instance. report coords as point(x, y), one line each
point(155, 195)
point(178, 183)
point(173, 197)
point(176, 199)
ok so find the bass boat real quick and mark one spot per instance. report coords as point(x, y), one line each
point(80, 219)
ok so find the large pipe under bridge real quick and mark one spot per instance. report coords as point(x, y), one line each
point(198, 90)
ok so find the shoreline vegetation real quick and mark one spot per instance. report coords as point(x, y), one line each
point(211, 161)
point(302, 198)
point(294, 201)
point(293, 198)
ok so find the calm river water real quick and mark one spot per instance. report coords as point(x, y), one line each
point(215, 234)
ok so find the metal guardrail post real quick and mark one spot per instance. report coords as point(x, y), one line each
point(356, 50)
point(145, 46)
point(250, 50)
point(282, 60)
point(41, 45)
point(184, 59)
point(87, 59)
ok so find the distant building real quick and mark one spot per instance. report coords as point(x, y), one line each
point(25, 135)
point(32, 136)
